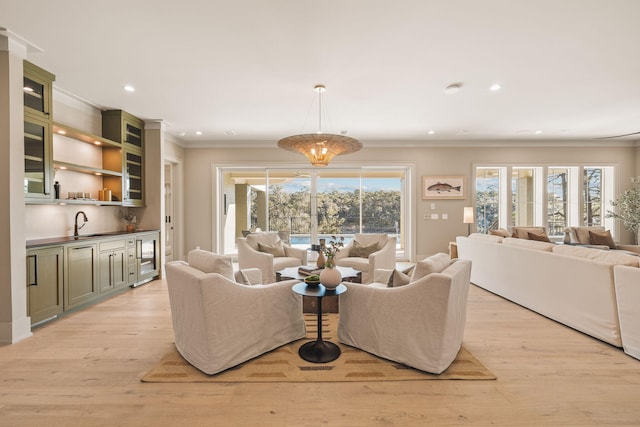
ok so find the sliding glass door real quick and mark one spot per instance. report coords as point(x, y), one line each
point(308, 204)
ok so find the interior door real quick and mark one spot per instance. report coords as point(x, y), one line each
point(169, 218)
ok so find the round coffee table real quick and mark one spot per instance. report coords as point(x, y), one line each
point(318, 351)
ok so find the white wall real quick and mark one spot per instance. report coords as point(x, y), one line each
point(431, 236)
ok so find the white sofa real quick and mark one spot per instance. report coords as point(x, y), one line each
point(219, 323)
point(420, 324)
point(572, 285)
point(628, 297)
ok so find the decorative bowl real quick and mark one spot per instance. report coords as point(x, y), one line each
point(312, 280)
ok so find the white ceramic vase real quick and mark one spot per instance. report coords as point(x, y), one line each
point(330, 278)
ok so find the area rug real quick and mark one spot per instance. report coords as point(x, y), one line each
point(285, 365)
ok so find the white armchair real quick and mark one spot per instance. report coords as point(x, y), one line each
point(219, 323)
point(383, 256)
point(420, 324)
point(269, 253)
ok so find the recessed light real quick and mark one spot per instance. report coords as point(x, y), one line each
point(538, 132)
point(198, 132)
point(98, 173)
point(62, 132)
point(431, 132)
point(97, 142)
point(453, 88)
point(129, 88)
point(495, 87)
point(182, 133)
point(27, 89)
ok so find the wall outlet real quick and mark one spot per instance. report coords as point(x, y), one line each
point(445, 216)
point(434, 216)
point(433, 206)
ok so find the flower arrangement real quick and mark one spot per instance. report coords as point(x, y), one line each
point(332, 249)
point(628, 204)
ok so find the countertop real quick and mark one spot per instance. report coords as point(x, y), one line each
point(50, 241)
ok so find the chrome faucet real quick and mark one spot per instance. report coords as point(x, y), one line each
point(75, 227)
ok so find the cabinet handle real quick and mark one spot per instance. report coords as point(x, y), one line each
point(139, 249)
point(82, 247)
point(35, 270)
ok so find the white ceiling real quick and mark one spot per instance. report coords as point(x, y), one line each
point(568, 68)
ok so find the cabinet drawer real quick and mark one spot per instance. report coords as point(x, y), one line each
point(111, 245)
point(131, 255)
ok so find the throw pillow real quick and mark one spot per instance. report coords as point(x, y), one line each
point(358, 250)
point(208, 262)
point(251, 276)
point(500, 232)
point(277, 249)
point(434, 264)
point(602, 238)
point(397, 279)
point(538, 237)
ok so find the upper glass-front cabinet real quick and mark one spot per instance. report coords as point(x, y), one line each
point(37, 88)
point(37, 158)
point(121, 126)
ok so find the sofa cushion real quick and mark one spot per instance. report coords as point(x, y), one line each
point(529, 244)
point(523, 232)
point(500, 232)
point(610, 257)
point(397, 279)
point(433, 264)
point(538, 237)
point(276, 249)
point(602, 238)
point(208, 262)
point(359, 250)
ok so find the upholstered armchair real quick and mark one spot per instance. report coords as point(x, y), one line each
point(269, 253)
point(219, 323)
point(367, 252)
point(420, 324)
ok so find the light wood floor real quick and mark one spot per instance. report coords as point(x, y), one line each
point(85, 369)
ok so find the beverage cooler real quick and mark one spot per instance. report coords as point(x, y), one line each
point(148, 257)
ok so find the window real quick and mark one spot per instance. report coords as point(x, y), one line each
point(487, 199)
point(554, 196)
point(312, 204)
point(557, 200)
point(592, 197)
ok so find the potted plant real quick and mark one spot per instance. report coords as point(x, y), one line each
point(628, 208)
point(130, 218)
point(330, 277)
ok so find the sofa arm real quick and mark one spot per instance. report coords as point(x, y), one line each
point(385, 257)
point(250, 258)
point(301, 254)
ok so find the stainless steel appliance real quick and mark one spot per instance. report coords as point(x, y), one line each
point(148, 258)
